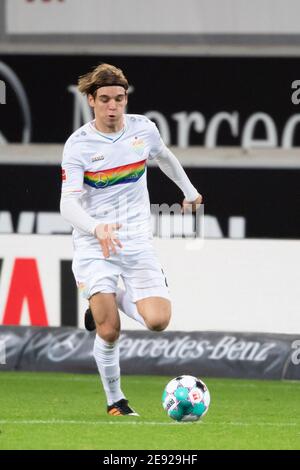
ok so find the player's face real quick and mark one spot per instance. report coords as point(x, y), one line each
point(109, 107)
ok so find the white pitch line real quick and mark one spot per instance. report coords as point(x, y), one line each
point(141, 423)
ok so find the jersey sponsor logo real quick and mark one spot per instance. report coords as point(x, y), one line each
point(119, 175)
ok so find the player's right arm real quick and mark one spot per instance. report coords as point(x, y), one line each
point(72, 210)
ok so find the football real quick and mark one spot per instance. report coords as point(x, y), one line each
point(186, 398)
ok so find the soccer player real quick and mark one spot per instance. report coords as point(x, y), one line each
point(105, 198)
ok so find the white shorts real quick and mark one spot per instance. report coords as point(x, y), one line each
point(136, 263)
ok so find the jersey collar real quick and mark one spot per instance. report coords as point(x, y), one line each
point(114, 137)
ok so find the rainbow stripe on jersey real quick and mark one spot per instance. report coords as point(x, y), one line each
point(118, 175)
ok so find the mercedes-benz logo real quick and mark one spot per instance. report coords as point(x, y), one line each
point(65, 345)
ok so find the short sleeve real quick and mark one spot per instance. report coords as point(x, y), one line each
point(156, 142)
point(72, 170)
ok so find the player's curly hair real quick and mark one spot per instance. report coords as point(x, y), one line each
point(102, 75)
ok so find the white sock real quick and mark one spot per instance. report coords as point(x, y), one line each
point(128, 307)
point(107, 359)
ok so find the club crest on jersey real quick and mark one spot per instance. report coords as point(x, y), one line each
point(138, 146)
point(97, 158)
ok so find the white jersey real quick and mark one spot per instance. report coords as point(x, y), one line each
point(110, 173)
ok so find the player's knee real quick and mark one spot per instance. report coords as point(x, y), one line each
point(108, 333)
point(159, 322)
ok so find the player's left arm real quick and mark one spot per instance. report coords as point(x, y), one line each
point(169, 164)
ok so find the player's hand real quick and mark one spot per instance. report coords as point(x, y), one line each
point(108, 239)
point(191, 206)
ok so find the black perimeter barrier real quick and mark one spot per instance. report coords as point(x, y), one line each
point(202, 354)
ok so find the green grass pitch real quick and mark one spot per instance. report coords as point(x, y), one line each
point(64, 411)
